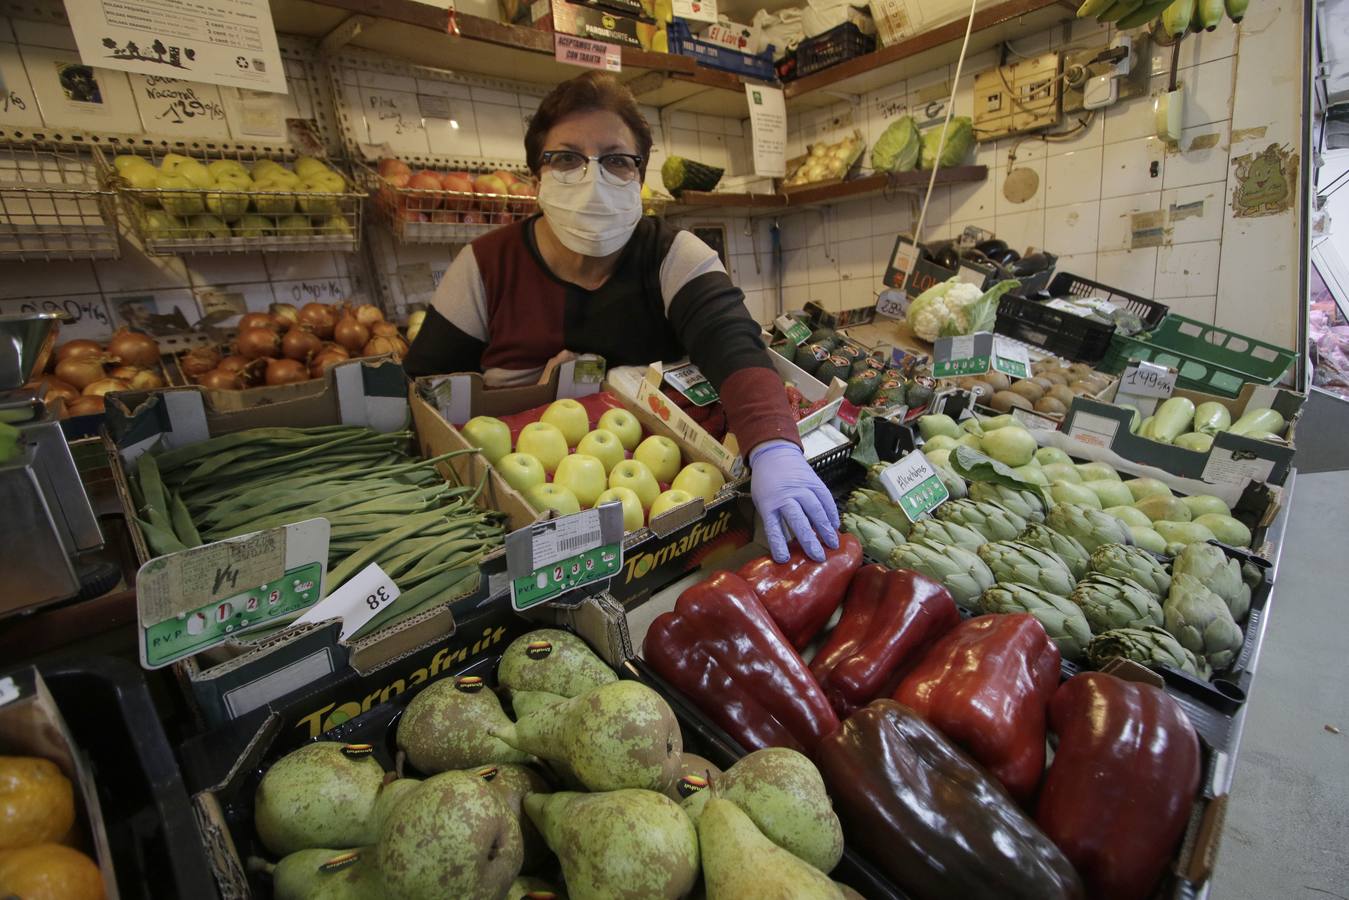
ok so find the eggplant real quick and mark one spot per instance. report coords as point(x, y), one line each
point(992, 247)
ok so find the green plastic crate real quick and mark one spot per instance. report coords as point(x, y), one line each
point(1207, 358)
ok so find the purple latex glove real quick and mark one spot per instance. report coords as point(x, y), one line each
point(786, 489)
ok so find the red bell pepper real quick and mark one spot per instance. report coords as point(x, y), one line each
point(802, 594)
point(985, 685)
point(721, 649)
point(889, 619)
point(1124, 778)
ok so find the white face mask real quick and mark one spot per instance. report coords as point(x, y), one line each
point(591, 217)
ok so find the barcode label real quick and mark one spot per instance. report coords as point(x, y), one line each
point(566, 536)
point(579, 542)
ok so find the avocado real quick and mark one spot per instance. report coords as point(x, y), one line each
point(919, 395)
point(835, 366)
point(862, 387)
point(809, 356)
point(823, 336)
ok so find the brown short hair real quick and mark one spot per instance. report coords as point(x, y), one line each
point(591, 91)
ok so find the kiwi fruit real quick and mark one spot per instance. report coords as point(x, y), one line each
point(1006, 401)
point(1044, 383)
point(981, 390)
point(1050, 406)
point(1079, 368)
point(1081, 388)
point(1053, 377)
point(1028, 389)
point(1062, 393)
point(998, 381)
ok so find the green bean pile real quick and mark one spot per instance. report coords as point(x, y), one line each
point(384, 505)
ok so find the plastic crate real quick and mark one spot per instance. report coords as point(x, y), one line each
point(1065, 334)
point(1208, 359)
point(840, 43)
point(714, 56)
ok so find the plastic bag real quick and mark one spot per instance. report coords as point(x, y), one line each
point(782, 29)
point(821, 15)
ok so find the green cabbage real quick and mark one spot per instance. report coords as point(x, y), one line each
point(896, 150)
point(959, 143)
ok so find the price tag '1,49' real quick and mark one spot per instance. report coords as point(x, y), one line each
point(1145, 379)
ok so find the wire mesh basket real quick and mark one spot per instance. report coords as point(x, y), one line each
point(233, 202)
point(454, 214)
point(52, 207)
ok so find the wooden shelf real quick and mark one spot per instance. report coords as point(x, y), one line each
point(692, 202)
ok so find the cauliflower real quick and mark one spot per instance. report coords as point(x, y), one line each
point(955, 307)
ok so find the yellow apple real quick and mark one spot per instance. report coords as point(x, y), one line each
point(584, 476)
point(570, 418)
point(196, 173)
point(308, 166)
point(264, 166)
point(633, 516)
point(660, 455)
point(253, 227)
point(604, 446)
point(521, 471)
point(231, 167)
point(636, 477)
point(129, 161)
point(491, 436)
point(699, 479)
point(544, 442)
point(316, 199)
point(552, 496)
point(177, 195)
point(669, 500)
point(624, 425)
point(172, 161)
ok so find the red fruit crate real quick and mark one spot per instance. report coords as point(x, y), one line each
point(428, 207)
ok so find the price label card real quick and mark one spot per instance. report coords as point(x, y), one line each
point(1090, 428)
point(915, 486)
point(969, 354)
point(1145, 379)
point(690, 382)
point(364, 596)
point(548, 559)
point(794, 330)
point(892, 303)
point(1010, 358)
point(578, 51)
point(1034, 421)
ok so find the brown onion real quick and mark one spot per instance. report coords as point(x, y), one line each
point(256, 343)
point(286, 371)
point(134, 349)
point(368, 314)
point(221, 380)
point(337, 348)
point(285, 313)
point(84, 406)
point(325, 360)
point(320, 318)
point(80, 371)
point(146, 380)
point(384, 329)
point(199, 361)
point(104, 386)
point(234, 364)
point(80, 347)
point(55, 387)
point(350, 334)
point(258, 320)
point(126, 373)
point(300, 343)
point(378, 346)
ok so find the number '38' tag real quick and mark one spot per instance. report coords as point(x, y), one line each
point(364, 596)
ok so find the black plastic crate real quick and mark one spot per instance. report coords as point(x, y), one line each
point(1065, 334)
point(152, 833)
point(838, 44)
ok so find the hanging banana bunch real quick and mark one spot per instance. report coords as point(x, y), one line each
point(1177, 17)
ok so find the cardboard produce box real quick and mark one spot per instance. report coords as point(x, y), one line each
point(587, 21)
point(1232, 458)
point(32, 725)
point(227, 681)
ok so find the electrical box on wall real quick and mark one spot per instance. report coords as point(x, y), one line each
point(1014, 99)
point(1125, 78)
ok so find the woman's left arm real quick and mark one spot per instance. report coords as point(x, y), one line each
point(708, 314)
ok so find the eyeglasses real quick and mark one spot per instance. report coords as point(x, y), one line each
point(569, 167)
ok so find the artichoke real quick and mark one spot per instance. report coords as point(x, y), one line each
point(1221, 574)
point(1132, 564)
point(1063, 620)
point(1201, 621)
point(1150, 646)
point(1022, 563)
point(962, 572)
point(940, 532)
point(955, 485)
point(1025, 504)
point(878, 505)
point(1091, 527)
point(878, 538)
point(994, 522)
point(1066, 548)
point(1110, 603)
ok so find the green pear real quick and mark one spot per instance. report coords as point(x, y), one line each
point(554, 661)
point(693, 777)
point(320, 795)
point(526, 702)
point(451, 837)
point(783, 793)
point(449, 726)
point(513, 783)
point(620, 735)
point(320, 874)
point(527, 888)
point(738, 861)
point(626, 843)
point(390, 793)
point(178, 196)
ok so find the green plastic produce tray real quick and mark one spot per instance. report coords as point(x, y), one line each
point(1207, 358)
